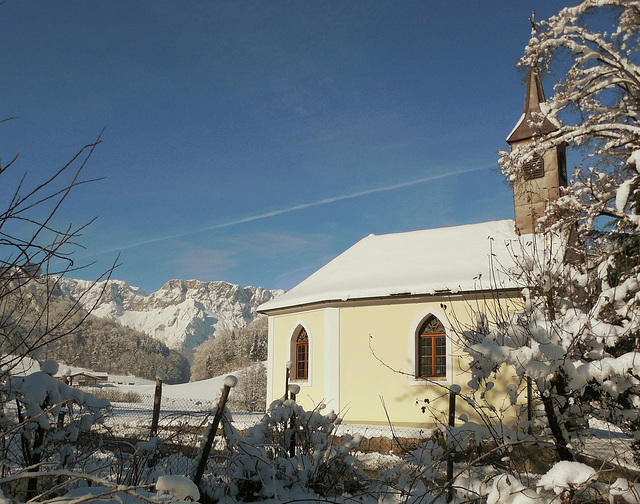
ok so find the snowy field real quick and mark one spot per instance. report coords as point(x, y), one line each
point(185, 404)
point(183, 400)
point(204, 391)
point(190, 402)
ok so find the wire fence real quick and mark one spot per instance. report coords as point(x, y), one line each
point(143, 436)
point(183, 422)
point(185, 416)
point(135, 418)
point(182, 425)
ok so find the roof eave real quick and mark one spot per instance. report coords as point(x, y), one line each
point(390, 297)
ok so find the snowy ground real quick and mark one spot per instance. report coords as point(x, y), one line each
point(606, 445)
point(200, 392)
point(201, 396)
point(189, 405)
point(190, 402)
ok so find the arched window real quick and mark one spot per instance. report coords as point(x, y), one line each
point(302, 356)
point(431, 350)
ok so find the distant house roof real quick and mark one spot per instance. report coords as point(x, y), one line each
point(97, 376)
point(432, 261)
point(74, 372)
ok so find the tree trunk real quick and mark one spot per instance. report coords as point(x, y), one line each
point(556, 431)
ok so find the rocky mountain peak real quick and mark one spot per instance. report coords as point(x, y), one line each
point(182, 313)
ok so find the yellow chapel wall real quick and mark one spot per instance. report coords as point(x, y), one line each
point(282, 330)
point(362, 354)
point(378, 364)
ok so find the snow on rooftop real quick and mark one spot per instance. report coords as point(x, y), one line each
point(431, 261)
point(513, 130)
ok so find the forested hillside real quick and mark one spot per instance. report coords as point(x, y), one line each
point(231, 350)
point(241, 351)
point(76, 338)
point(103, 345)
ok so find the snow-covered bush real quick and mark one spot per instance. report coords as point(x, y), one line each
point(418, 476)
point(180, 488)
point(291, 449)
point(37, 251)
point(573, 344)
point(48, 415)
point(627, 490)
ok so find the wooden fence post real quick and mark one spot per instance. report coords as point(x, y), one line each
point(229, 382)
point(530, 405)
point(451, 452)
point(294, 388)
point(286, 380)
point(157, 400)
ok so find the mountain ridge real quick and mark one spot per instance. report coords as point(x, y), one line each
point(182, 314)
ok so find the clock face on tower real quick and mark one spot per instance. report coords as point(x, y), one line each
point(534, 168)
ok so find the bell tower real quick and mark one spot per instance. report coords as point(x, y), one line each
point(544, 174)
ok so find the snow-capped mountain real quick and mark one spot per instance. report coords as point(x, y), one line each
point(182, 314)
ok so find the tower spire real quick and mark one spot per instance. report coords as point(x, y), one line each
point(534, 102)
point(542, 174)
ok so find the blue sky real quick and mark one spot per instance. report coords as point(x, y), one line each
point(253, 141)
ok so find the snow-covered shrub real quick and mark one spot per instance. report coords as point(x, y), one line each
point(292, 447)
point(567, 476)
point(169, 489)
point(179, 487)
point(626, 490)
point(579, 365)
point(564, 479)
point(573, 345)
point(419, 475)
point(47, 404)
point(48, 415)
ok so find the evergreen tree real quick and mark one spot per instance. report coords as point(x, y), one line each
point(209, 367)
point(230, 351)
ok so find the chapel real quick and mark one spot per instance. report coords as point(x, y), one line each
point(375, 333)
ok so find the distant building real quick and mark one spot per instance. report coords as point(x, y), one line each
point(375, 332)
point(86, 379)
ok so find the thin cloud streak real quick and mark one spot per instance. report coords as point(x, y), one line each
point(295, 208)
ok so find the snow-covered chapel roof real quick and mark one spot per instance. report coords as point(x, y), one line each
point(432, 261)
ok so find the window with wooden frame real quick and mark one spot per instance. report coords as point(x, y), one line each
point(431, 350)
point(302, 356)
